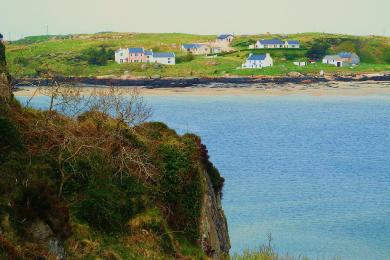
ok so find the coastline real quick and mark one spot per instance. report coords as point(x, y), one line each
point(331, 88)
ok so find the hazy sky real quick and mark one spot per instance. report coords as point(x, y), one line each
point(30, 17)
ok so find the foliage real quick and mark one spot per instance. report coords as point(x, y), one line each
point(97, 56)
point(318, 50)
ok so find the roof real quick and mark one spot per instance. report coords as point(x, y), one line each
point(224, 36)
point(136, 50)
point(192, 46)
point(331, 57)
point(272, 41)
point(257, 57)
point(163, 55)
point(149, 53)
point(345, 55)
point(293, 42)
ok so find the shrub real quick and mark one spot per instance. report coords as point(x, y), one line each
point(187, 58)
point(97, 56)
point(22, 61)
point(9, 138)
point(318, 50)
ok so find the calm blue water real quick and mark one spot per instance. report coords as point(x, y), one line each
point(313, 171)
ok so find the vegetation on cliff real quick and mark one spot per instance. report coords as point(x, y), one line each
point(100, 182)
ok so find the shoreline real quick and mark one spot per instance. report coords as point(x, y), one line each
point(331, 88)
point(234, 81)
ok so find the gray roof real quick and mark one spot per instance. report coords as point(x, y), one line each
point(345, 55)
point(136, 50)
point(224, 36)
point(149, 53)
point(293, 42)
point(331, 57)
point(257, 57)
point(163, 55)
point(272, 41)
point(192, 46)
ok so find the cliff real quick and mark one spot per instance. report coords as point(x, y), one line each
point(91, 186)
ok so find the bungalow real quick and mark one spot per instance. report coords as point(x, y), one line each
point(275, 44)
point(342, 59)
point(166, 58)
point(258, 61)
point(196, 48)
point(268, 44)
point(130, 55)
point(225, 38)
point(292, 44)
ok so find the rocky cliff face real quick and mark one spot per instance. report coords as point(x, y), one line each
point(4, 75)
point(214, 230)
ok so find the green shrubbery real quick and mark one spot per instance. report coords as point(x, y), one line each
point(97, 56)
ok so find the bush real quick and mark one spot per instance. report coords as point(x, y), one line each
point(97, 56)
point(9, 138)
point(318, 50)
point(187, 58)
point(22, 61)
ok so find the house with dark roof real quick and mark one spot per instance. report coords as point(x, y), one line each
point(292, 44)
point(196, 48)
point(166, 58)
point(275, 44)
point(225, 39)
point(258, 61)
point(342, 59)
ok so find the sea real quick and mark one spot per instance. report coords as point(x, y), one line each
point(311, 172)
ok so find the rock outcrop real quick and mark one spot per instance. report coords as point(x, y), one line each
point(5, 91)
point(214, 230)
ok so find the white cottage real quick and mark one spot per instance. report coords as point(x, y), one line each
point(122, 55)
point(258, 61)
point(166, 58)
point(342, 59)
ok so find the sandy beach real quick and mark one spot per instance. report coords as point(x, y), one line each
point(316, 89)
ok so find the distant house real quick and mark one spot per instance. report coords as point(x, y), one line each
point(166, 58)
point(196, 48)
point(269, 44)
point(300, 63)
point(225, 38)
point(292, 44)
point(275, 44)
point(138, 55)
point(342, 59)
point(122, 55)
point(258, 61)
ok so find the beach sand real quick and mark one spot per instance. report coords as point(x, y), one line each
point(316, 89)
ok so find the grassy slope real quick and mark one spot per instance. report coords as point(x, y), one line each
point(105, 210)
point(59, 54)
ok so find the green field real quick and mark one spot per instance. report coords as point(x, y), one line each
point(61, 55)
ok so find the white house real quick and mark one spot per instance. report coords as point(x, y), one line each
point(166, 58)
point(292, 44)
point(225, 38)
point(275, 44)
point(258, 61)
point(342, 59)
point(269, 44)
point(122, 55)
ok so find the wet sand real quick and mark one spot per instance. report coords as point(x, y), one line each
point(315, 89)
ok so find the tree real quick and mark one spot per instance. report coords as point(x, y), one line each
point(318, 50)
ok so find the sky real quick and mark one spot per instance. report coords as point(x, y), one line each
point(32, 17)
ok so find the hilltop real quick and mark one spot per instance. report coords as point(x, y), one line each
point(64, 55)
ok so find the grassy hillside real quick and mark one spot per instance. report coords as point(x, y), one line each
point(62, 55)
point(97, 187)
